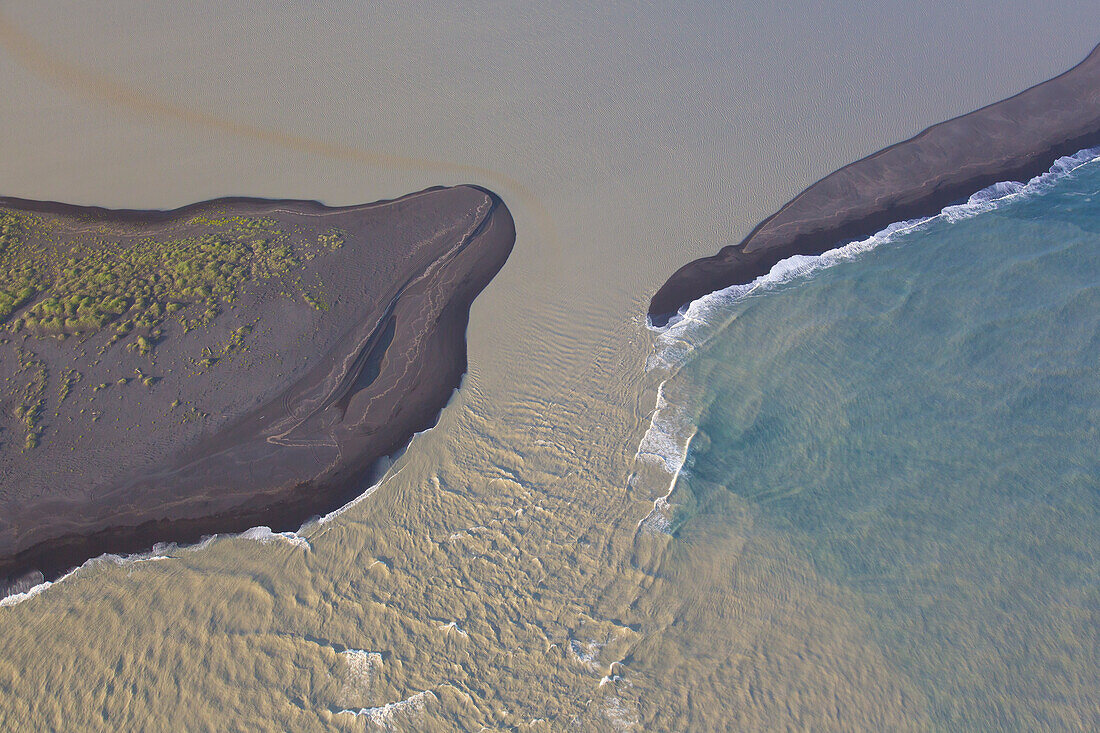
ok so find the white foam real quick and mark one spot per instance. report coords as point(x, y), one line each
point(468, 531)
point(665, 445)
point(265, 535)
point(168, 550)
point(620, 717)
point(659, 519)
point(384, 716)
point(453, 626)
point(670, 430)
point(158, 552)
point(668, 438)
point(31, 592)
point(205, 542)
point(697, 321)
point(362, 668)
point(587, 652)
point(381, 474)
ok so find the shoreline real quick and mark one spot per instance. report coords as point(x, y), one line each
point(309, 447)
point(1016, 138)
point(671, 429)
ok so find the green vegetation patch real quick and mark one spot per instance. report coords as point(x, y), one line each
point(19, 283)
point(62, 277)
point(136, 283)
point(30, 395)
point(70, 378)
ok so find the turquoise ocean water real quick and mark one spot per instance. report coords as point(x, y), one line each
point(920, 419)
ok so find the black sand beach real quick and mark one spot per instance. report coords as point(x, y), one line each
point(272, 412)
point(1014, 139)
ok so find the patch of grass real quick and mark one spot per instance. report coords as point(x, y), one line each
point(136, 284)
point(20, 282)
point(62, 278)
point(31, 397)
point(70, 378)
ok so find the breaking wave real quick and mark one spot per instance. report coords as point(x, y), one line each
point(699, 320)
point(383, 470)
point(388, 715)
point(672, 423)
point(265, 535)
point(159, 551)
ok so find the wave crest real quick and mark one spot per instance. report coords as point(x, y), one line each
point(696, 322)
point(672, 425)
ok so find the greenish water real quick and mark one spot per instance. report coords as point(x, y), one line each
point(920, 422)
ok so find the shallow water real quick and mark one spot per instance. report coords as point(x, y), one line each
point(918, 423)
point(496, 576)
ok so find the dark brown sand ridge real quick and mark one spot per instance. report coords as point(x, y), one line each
point(1014, 139)
point(272, 409)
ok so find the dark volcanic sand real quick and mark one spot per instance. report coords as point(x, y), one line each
point(284, 432)
point(1014, 139)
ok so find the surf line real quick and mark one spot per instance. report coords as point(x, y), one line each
point(695, 322)
point(667, 441)
point(97, 86)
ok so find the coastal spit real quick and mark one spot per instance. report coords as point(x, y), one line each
point(1014, 139)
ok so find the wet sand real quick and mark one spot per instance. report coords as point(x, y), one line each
point(287, 430)
point(1011, 140)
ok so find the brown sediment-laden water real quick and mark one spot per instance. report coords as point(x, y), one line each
point(1011, 140)
point(226, 365)
point(495, 575)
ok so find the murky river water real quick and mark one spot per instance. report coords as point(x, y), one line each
point(495, 577)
